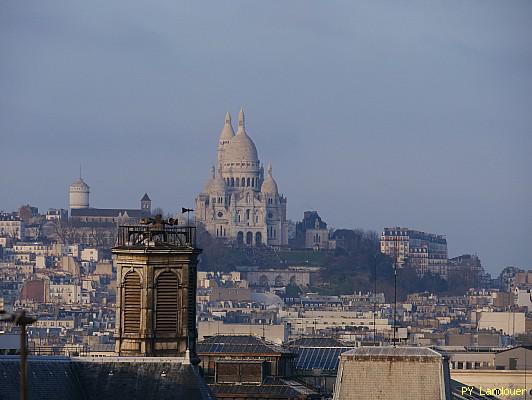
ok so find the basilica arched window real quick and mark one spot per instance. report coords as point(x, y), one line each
point(237, 182)
point(232, 181)
point(252, 182)
point(248, 182)
point(243, 182)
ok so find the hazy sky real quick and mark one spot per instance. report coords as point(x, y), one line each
point(375, 113)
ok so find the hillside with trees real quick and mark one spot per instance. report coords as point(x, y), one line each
point(349, 268)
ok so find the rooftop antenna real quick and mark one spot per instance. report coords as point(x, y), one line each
point(395, 249)
point(375, 301)
point(394, 301)
point(20, 319)
point(188, 211)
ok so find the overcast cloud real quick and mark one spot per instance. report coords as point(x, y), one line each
point(375, 113)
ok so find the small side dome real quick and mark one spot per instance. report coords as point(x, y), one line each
point(216, 182)
point(269, 185)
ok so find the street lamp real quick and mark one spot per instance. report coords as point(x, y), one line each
point(20, 318)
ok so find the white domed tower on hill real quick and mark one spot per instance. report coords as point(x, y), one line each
point(78, 194)
point(238, 204)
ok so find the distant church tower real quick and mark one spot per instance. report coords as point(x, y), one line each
point(156, 290)
point(145, 204)
point(78, 194)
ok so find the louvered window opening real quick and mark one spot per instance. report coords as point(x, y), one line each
point(132, 303)
point(166, 303)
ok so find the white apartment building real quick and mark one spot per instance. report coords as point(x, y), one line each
point(65, 293)
point(11, 226)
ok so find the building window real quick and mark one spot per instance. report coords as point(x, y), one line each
point(166, 305)
point(131, 302)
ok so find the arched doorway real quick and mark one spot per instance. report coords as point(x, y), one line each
point(240, 238)
point(249, 238)
point(258, 239)
point(279, 281)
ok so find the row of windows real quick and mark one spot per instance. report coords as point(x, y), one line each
point(469, 364)
point(242, 182)
point(242, 164)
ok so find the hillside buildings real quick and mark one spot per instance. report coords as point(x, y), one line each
point(240, 203)
point(423, 251)
point(312, 233)
point(11, 226)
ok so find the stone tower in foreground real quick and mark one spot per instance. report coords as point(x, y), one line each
point(156, 289)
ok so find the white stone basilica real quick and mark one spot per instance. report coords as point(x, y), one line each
point(238, 203)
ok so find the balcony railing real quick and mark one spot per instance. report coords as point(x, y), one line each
point(152, 236)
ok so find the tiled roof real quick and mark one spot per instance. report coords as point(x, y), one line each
point(58, 378)
point(238, 344)
point(316, 342)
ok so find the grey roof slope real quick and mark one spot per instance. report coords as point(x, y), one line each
point(316, 342)
point(111, 378)
point(238, 344)
point(53, 379)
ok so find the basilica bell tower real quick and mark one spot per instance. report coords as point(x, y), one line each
point(156, 265)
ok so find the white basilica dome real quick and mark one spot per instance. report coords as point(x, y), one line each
point(240, 147)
